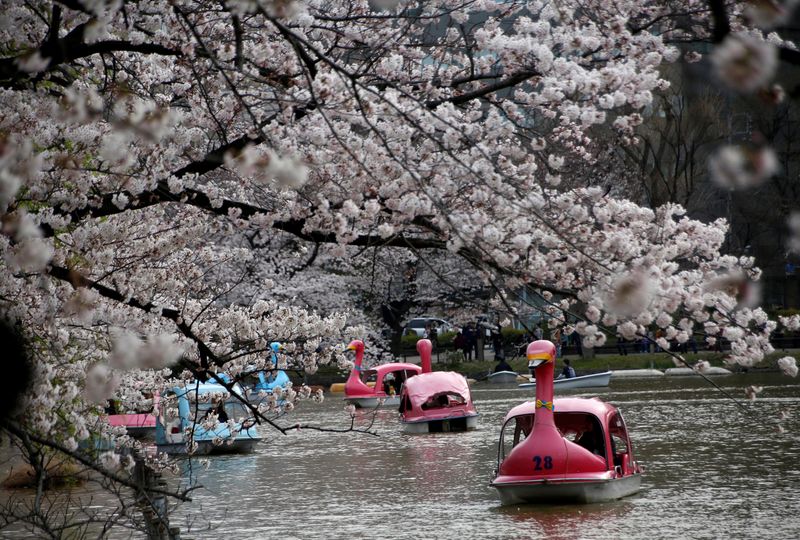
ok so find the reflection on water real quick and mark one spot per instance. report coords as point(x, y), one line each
point(711, 471)
point(556, 522)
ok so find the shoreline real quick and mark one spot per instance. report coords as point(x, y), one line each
point(327, 376)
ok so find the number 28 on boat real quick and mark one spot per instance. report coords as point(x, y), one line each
point(563, 450)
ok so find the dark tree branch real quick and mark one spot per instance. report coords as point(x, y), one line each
point(79, 280)
point(789, 56)
point(74, 5)
point(719, 14)
point(513, 80)
point(216, 158)
point(55, 26)
point(207, 356)
point(69, 48)
point(309, 62)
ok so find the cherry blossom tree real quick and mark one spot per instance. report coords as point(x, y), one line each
point(156, 156)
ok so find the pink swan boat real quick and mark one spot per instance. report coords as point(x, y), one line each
point(139, 425)
point(436, 401)
point(563, 450)
point(388, 379)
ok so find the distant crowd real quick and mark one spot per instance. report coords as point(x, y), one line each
point(466, 341)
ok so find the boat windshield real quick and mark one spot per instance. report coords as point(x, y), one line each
point(369, 376)
point(514, 432)
point(580, 428)
point(620, 443)
point(443, 400)
point(233, 410)
point(393, 380)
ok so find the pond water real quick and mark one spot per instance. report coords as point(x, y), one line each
point(711, 471)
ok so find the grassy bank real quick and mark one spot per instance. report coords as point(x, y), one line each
point(607, 362)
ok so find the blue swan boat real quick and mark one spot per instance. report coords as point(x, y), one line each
point(171, 433)
point(267, 382)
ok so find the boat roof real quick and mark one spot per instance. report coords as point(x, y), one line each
point(204, 388)
point(425, 385)
point(394, 366)
point(593, 405)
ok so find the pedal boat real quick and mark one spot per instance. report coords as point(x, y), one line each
point(388, 379)
point(568, 450)
point(172, 433)
point(502, 377)
point(436, 401)
point(138, 425)
point(269, 380)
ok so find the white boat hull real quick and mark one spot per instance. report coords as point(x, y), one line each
point(713, 370)
point(584, 381)
point(443, 425)
point(372, 402)
point(634, 373)
point(502, 377)
point(554, 492)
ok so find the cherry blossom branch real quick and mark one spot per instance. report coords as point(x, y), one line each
point(72, 47)
point(610, 331)
point(508, 82)
point(207, 356)
point(351, 429)
point(198, 199)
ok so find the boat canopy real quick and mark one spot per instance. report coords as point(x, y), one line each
point(382, 384)
point(594, 406)
point(383, 369)
point(134, 420)
point(204, 388)
point(421, 388)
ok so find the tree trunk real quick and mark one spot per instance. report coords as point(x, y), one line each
point(153, 506)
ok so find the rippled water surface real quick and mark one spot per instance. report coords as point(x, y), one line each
point(711, 471)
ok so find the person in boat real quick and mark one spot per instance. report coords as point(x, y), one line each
point(388, 384)
point(219, 410)
point(568, 372)
point(111, 407)
point(436, 402)
point(502, 365)
point(399, 379)
point(591, 440)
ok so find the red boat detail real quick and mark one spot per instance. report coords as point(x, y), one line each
point(388, 379)
point(139, 425)
point(143, 420)
point(569, 449)
point(436, 401)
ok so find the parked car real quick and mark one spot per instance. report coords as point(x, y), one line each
point(418, 325)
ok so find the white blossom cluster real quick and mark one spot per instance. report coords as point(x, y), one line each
point(135, 192)
point(737, 167)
